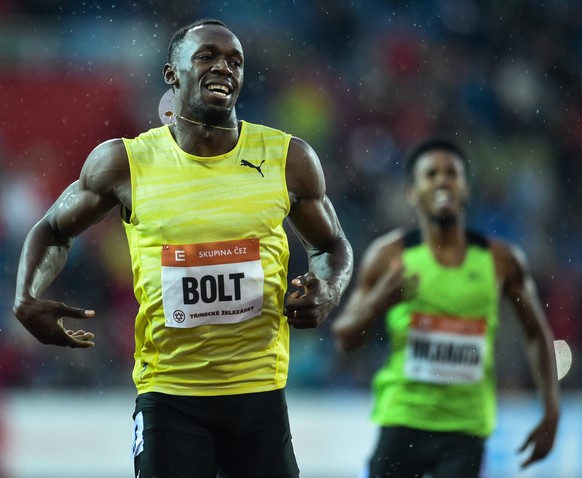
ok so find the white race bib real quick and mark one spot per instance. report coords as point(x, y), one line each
point(212, 283)
point(443, 349)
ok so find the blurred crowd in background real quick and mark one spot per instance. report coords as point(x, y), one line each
point(362, 81)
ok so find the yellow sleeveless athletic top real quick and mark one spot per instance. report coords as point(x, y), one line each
point(209, 257)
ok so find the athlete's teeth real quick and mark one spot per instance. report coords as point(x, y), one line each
point(442, 197)
point(218, 88)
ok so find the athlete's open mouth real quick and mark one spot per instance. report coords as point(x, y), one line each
point(443, 198)
point(217, 89)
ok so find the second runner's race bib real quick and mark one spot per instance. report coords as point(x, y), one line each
point(444, 349)
point(212, 283)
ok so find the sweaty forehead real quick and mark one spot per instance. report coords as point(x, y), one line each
point(214, 35)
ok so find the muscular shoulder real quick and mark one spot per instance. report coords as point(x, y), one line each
point(510, 260)
point(106, 169)
point(388, 246)
point(381, 252)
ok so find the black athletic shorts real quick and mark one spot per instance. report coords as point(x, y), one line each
point(403, 452)
point(234, 436)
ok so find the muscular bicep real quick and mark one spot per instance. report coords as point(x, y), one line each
point(102, 184)
point(519, 287)
point(312, 214)
point(76, 209)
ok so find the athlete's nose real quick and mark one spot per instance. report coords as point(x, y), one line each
point(443, 178)
point(221, 65)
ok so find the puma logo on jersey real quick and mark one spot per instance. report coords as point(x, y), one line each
point(244, 162)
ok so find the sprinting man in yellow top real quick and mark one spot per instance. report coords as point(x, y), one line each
point(203, 202)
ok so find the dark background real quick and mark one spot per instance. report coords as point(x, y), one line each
point(362, 82)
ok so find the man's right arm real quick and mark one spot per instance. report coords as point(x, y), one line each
point(103, 184)
point(380, 285)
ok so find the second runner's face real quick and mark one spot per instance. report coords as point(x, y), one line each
point(440, 186)
point(209, 65)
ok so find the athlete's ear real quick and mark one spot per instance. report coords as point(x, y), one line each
point(170, 76)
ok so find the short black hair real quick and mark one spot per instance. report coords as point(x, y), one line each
point(433, 144)
point(179, 34)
